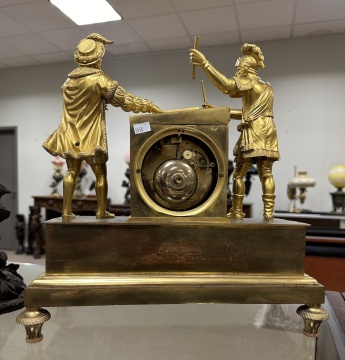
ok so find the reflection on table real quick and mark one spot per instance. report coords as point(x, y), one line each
point(192, 331)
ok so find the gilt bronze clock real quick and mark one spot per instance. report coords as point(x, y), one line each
point(179, 165)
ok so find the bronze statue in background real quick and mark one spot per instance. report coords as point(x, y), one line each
point(82, 132)
point(11, 286)
point(258, 141)
point(4, 213)
point(11, 283)
point(20, 233)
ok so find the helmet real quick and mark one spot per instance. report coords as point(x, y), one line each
point(247, 61)
point(253, 57)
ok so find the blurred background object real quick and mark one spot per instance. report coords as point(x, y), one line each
point(336, 176)
point(300, 181)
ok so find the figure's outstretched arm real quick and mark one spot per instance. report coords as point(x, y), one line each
point(224, 84)
point(236, 114)
point(130, 102)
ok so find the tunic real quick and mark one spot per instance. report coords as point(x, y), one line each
point(258, 132)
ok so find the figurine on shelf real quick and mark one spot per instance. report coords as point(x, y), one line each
point(258, 141)
point(57, 176)
point(78, 188)
point(127, 183)
point(31, 233)
point(20, 232)
point(230, 171)
point(36, 228)
point(248, 182)
point(82, 132)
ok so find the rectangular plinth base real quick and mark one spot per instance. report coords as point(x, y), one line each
point(114, 261)
point(89, 246)
point(121, 289)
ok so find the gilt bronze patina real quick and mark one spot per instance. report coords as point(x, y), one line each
point(258, 141)
point(82, 132)
point(179, 168)
point(117, 262)
point(179, 245)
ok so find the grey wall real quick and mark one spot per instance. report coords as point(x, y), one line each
point(308, 76)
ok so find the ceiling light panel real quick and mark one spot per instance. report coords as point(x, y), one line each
point(84, 12)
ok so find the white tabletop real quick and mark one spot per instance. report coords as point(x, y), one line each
point(159, 332)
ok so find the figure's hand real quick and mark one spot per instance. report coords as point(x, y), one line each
point(196, 57)
point(155, 109)
point(240, 127)
point(208, 106)
point(248, 123)
point(244, 124)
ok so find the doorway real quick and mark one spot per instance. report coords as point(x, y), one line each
point(8, 178)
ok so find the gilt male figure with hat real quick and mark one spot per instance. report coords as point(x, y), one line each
point(82, 132)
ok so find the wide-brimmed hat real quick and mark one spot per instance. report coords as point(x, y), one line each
point(91, 49)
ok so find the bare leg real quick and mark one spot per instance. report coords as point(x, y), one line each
point(266, 176)
point(101, 188)
point(69, 184)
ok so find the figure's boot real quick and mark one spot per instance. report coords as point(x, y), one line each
point(236, 209)
point(268, 201)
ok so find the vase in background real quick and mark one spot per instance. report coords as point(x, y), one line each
point(300, 181)
point(336, 176)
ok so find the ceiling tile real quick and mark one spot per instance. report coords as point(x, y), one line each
point(265, 14)
point(54, 57)
point(64, 39)
point(30, 44)
point(159, 27)
point(210, 21)
point(219, 39)
point(192, 5)
point(257, 35)
point(170, 44)
point(20, 61)
point(10, 27)
point(7, 51)
point(118, 31)
point(239, 2)
point(39, 16)
point(138, 8)
point(319, 28)
point(4, 3)
point(128, 49)
point(319, 10)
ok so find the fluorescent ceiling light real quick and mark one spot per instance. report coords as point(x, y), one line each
point(84, 12)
